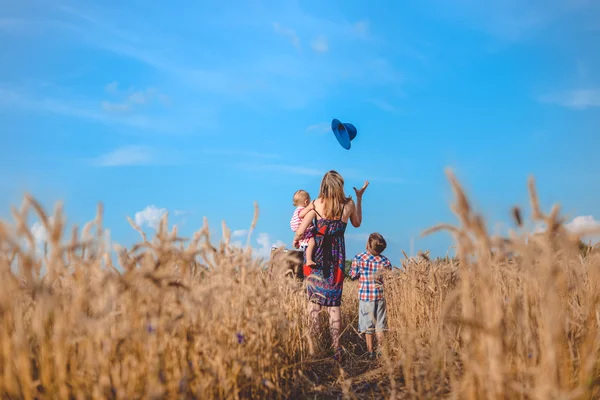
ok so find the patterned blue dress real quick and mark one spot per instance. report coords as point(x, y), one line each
point(325, 279)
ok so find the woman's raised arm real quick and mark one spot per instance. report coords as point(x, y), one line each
point(356, 216)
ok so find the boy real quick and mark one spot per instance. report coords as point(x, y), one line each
point(369, 266)
point(301, 201)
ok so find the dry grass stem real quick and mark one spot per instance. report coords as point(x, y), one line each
point(514, 317)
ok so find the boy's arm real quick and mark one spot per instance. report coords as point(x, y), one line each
point(388, 264)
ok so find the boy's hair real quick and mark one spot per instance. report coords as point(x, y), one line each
point(376, 244)
point(299, 196)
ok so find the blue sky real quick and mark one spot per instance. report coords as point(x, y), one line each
point(203, 108)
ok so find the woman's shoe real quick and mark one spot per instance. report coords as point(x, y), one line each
point(337, 354)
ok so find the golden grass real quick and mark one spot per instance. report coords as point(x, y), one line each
point(191, 319)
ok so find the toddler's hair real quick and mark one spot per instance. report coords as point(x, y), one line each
point(376, 244)
point(300, 196)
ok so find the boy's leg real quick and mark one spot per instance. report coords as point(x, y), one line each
point(369, 340)
point(381, 326)
point(309, 251)
point(366, 321)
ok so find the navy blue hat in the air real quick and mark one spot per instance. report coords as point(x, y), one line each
point(343, 132)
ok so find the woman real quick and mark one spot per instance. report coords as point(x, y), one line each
point(330, 213)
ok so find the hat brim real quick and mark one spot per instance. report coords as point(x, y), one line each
point(341, 134)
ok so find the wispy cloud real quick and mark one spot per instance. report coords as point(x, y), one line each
point(240, 153)
point(579, 99)
point(112, 88)
point(289, 33)
point(132, 98)
point(283, 169)
point(362, 28)
point(126, 156)
point(138, 155)
point(510, 19)
point(382, 104)
point(320, 44)
point(33, 26)
point(322, 127)
point(116, 107)
point(104, 112)
point(88, 19)
point(260, 79)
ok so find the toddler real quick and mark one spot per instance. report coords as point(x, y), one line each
point(369, 266)
point(307, 243)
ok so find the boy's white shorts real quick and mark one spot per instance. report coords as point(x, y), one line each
point(372, 316)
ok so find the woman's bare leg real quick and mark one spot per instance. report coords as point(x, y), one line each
point(313, 310)
point(335, 325)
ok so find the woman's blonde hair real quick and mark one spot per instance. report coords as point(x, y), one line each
point(332, 194)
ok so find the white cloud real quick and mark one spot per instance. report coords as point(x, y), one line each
point(266, 243)
point(239, 233)
point(539, 227)
point(128, 155)
point(583, 223)
point(578, 99)
point(40, 235)
point(289, 33)
point(579, 224)
point(320, 44)
point(150, 216)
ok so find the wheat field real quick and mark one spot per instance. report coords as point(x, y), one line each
point(198, 318)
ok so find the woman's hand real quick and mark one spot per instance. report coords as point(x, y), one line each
point(356, 216)
point(359, 192)
point(296, 243)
